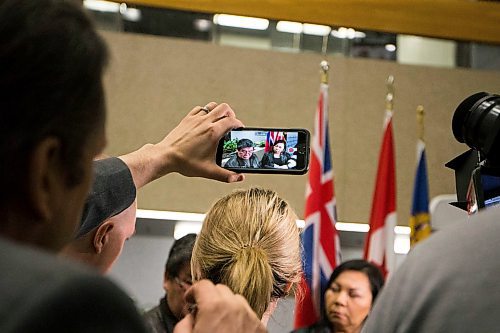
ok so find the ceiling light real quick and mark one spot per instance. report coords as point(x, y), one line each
point(359, 34)
point(390, 47)
point(244, 22)
point(348, 33)
point(102, 6)
point(202, 24)
point(316, 29)
point(130, 14)
point(290, 27)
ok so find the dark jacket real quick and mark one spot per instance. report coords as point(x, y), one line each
point(319, 327)
point(236, 162)
point(268, 159)
point(40, 292)
point(160, 319)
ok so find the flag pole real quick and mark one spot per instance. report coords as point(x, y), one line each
point(389, 97)
point(420, 222)
point(379, 242)
point(320, 239)
point(420, 122)
point(324, 64)
point(324, 71)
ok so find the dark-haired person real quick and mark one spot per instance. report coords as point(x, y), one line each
point(176, 280)
point(352, 290)
point(278, 158)
point(244, 157)
point(53, 125)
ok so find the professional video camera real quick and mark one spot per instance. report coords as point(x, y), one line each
point(476, 122)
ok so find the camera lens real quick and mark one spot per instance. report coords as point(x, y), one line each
point(476, 122)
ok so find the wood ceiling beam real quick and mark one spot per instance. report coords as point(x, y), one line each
point(464, 20)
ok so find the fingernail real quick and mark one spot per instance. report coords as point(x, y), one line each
point(236, 178)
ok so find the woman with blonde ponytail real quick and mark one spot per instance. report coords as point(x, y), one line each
point(251, 243)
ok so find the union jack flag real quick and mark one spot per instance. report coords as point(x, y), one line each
point(271, 138)
point(320, 238)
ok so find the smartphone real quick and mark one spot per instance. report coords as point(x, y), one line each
point(265, 150)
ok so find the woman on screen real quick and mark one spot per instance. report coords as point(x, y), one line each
point(278, 158)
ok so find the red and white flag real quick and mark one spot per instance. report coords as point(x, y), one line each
point(379, 244)
point(320, 238)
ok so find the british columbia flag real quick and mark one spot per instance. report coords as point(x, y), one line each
point(320, 238)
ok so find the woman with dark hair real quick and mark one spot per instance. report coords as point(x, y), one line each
point(278, 158)
point(352, 290)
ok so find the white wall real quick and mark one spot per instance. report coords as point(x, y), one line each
point(139, 270)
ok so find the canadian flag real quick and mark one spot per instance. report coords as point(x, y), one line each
point(379, 244)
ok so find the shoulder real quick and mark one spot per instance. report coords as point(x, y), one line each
point(232, 160)
point(423, 290)
point(153, 319)
point(153, 315)
point(42, 293)
point(315, 328)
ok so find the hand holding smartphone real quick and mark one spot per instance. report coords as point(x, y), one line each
point(265, 150)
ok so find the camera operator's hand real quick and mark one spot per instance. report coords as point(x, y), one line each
point(188, 149)
point(218, 310)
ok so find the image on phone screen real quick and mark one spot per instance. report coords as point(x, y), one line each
point(261, 150)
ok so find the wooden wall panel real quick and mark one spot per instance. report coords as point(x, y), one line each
point(449, 19)
point(154, 81)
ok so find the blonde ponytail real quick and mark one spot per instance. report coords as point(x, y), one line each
point(250, 242)
point(250, 263)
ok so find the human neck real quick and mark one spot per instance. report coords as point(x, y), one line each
point(347, 329)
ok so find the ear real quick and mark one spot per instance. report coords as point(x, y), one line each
point(166, 281)
point(102, 236)
point(45, 178)
point(166, 277)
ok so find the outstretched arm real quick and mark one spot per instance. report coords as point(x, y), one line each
point(188, 149)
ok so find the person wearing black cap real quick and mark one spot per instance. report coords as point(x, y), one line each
point(103, 244)
point(113, 190)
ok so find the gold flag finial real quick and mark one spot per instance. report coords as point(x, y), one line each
point(389, 97)
point(324, 71)
point(420, 122)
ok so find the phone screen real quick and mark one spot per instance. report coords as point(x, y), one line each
point(491, 189)
point(265, 150)
point(485, 182)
